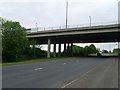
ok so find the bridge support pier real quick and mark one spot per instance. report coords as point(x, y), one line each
point(59, 50)
point(49, 46)
point(71, 49)
point(54, 53)
point(68, 49)
point(65, 47)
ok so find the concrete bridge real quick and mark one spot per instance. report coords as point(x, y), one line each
point(89, 34)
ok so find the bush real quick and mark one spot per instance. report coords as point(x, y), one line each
point(14, 41)
point(80, 51)
point(34, 53)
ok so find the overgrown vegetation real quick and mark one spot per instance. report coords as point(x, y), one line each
point(15, 45)
point(116, 51)
point(81, 51)
point(14, 41)
point(31, 53)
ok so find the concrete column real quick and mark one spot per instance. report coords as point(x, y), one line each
point(65, 47)
point(49, 45)
point(34, 49)
point(71, 49)
point(68, 50)
point(68, 47)
point(59, 50)
point(54, 53)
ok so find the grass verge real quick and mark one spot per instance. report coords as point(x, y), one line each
point(30, 61)
point(0, 64)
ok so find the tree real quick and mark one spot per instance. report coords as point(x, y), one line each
point(77, 50)
point(14, 41)
point(33, 42)
point(104, 51)
point(116, 51)
point(34, 52)
point(92, 49)
point(109, 52)
point(86, 50)
point(80, 51)
point(1, 21)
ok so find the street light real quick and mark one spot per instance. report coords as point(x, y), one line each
point(90, 20)
point(66, 13)
point(37, 26)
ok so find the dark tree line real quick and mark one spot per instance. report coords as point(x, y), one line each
point(81, 51)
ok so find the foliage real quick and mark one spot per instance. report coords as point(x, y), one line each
point(109, 52)
point(104, 51)
point(116, 51)
point(14, 41)
point(34, 53)
point(77, 51)
point(80, 51)
point(32, 42)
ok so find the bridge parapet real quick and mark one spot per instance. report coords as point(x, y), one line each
point(79, 29)
point(94, 25)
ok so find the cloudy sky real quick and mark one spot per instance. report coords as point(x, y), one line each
point(51, 13)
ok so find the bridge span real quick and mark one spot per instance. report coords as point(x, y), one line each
point(89, 34)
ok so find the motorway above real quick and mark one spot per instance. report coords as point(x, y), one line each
point(93, 34)
point(73, 72)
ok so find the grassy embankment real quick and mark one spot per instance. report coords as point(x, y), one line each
point(30, 61)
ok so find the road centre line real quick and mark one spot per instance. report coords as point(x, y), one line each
point(38, 69)
point(64, 63)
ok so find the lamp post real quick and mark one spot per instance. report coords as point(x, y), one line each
point(90, 20)
point(37, 26)
point(66, 13)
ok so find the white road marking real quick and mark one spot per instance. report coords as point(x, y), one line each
point(77, 78)
point(81, 76)
point(69, 83)
point(38, 68)
point(64, 63)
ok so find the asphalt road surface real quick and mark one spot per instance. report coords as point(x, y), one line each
point(74, 72)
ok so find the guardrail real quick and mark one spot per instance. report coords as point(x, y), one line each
point(37, 29)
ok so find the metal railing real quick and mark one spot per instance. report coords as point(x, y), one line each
point(38, 29)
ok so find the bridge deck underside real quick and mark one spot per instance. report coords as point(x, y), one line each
point(81, 38)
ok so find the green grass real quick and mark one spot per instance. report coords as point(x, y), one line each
point(0, 64)
point(92, 54)
point(30, 61)
point(116, 52)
